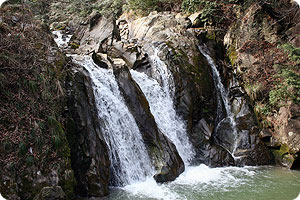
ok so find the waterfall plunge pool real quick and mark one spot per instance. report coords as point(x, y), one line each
point(226, 183)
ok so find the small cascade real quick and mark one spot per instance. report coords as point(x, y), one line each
point(222, 99)
point(128, 154)
point(62, 40)
point(160, 98)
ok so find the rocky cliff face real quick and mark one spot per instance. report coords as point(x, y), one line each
point(260, 47)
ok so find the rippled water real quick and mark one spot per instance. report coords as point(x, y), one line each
point(202, 182)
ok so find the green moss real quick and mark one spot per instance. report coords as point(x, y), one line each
point(254, 90)
point(284, 150)
point(202, 76)
point(232, 55)
point(293, 52)
point(60, 27)
point(68, 184)
point(74, 45)
point(30, 161)
point(211, 35)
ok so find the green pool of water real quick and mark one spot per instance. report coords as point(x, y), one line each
point(229, 183)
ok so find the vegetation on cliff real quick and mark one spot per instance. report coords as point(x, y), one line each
point(31, 106)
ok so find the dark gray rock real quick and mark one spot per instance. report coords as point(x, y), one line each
point(89, 154)
point(162, 151)
point(97, 60)
point(224, 135)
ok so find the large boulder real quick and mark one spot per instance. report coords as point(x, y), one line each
point(89, 154)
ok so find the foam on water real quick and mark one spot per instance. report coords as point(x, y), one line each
point(212, 176)
point(194, 178)
point(151, 189)
point(1, 197)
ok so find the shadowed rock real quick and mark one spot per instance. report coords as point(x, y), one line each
point(89, 154)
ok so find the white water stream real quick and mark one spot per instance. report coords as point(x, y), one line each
point(128, 154)
point(160, 98)
point(61, 39)
point(227, 183)
point(224, 94)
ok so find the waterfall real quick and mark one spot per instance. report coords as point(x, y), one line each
point(130, 162)
point(222, 98)
point(62, 40)
point(160, 98)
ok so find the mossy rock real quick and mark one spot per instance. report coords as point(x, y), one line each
point(283, 156)
point(68, 184)
point(58, 26)
point(232, 55)
point(284, 149)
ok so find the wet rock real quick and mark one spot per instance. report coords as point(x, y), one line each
point(142, 64)
point(94, 20)
point(161, 150)
point(224, 134)
point(219, 157)
point(97, 60)
point(89, 154)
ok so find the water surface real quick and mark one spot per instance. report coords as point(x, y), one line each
point(202, 182)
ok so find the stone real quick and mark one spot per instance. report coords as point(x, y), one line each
point(287, 126)
point(89, 153)
point(94, 36)
point(51, 193)
point(97, 60)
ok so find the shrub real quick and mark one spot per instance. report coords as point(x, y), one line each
point(190, 6)
point(143, 6)
point(287, 89)
point(22, 148)
point(30, 161)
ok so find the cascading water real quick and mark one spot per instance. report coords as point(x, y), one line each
point(128, 154)
point(222, 99)
point(160, 98)
point(61, 39)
